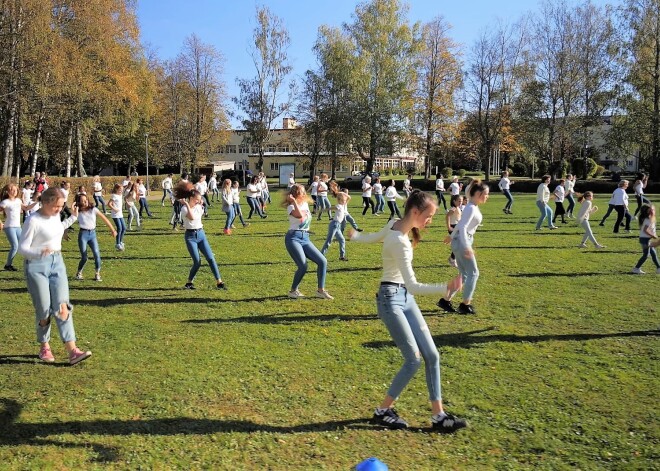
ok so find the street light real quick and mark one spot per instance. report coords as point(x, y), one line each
point(146, 150)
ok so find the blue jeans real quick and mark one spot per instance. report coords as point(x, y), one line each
point(255, 207)
point(467, 267)
point(380, 203)
point(546, 213)
point(121, 230)
point(348, 219)
point(403, 319)
point(441, 198)
point(588, 234)
point(230, 216)
point(393, 209)
point(300, 249)
point(144, 205)
point(166, 193)
point(571, 204)
point(85, 238)
point(49, 287)
point(324, 205)
point(509, 198)
point(13, 235)
point(334, 232)
point(99, 201)
point(646, 251)
point(237, 212)
point(196, 242)
point(133, 214)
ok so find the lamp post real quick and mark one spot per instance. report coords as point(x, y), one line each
point(146, 151)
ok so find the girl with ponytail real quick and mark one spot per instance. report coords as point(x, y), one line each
point(398, 310)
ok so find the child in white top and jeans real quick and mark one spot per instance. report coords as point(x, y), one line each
point(583, 219)
point(45, 273)
point(399, 312)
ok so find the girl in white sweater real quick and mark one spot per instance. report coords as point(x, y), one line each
point(401, 315)
point(45, 273)
point(586, 209)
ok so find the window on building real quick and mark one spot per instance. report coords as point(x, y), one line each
point(231, 149)
point(270, 148)
point(243, 149)
point(283, 148)
point(630, 163)
point(274, 166)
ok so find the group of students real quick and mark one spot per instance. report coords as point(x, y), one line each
point(40, 245)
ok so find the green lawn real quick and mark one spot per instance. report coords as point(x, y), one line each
point(559, 369)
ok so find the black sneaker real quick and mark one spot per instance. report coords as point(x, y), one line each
point(10, 268)
point(189, 286)
point(445, 305)
point(448, 424)
point(221, 285)
point(466, 309)
point(359, 230)
point(389, 419)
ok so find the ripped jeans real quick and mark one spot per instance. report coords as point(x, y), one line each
point(399, 312)
point(48, 286)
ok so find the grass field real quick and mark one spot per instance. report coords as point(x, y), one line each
point(559, 369)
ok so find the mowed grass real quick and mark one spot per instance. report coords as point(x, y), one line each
point(559, 369)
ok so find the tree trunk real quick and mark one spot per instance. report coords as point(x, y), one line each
point(8, 145)
point(655, 122)
point(37, 141)
point(68, 151)
point(79, 152)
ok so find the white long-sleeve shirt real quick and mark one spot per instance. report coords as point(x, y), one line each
point(585, 211)
point(543, 193)
point(41, 232)
point(620, 197)
point(504, 184)
point(397, 260)
point(471, 217)
point(559, 194)
point(391, 194)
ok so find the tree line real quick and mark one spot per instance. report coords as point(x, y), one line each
point(78, 92)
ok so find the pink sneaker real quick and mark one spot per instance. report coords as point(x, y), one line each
point(77, 355)
point(46, 355)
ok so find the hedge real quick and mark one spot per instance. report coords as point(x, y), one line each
point(107, 182)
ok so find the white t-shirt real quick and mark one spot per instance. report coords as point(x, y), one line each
point(117, 203)
point(559, 194)
point(378, 189)
point(505, 184)
point(313, 189)
point(647, 223)
point(227, 198)
point(253, 190)
point(471, 217)
point(87, 219)
point(12, 209)
point(299, 224)
point(638, 188)
point(235, 195)
point(27, 196)
point(40, 232)
point(397, 259)
point(65, 192)
point(213, 183)
point(454, 188)
point(98, 189)
point(142, 191)
point(197, 212)
point(439, 185)
point(34, 209)
point(340, 213)
point(125, 182)
point(366, 190)
point(167, 183)
point(292, 182)
point(322, 189)
point(202, 187)
point(406, 184)
point(568, 186)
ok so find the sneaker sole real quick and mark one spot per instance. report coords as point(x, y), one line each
point(82, 357)
point(47, 360)
point(387, 426)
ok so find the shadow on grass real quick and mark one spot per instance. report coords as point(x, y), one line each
point(285, 318)
point(559, 275)
point(174, 299)
point(520, 247)
point(35, 434)
point(471, 339)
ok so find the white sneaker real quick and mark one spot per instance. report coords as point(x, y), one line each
point(323, 295)
point(657, 271)
point(79, 276)
point(600, 246)
point(295, 294)
point(452, 262)
point(638, 271)
point(582, 246)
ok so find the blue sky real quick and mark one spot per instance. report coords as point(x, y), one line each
point(228, 24)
